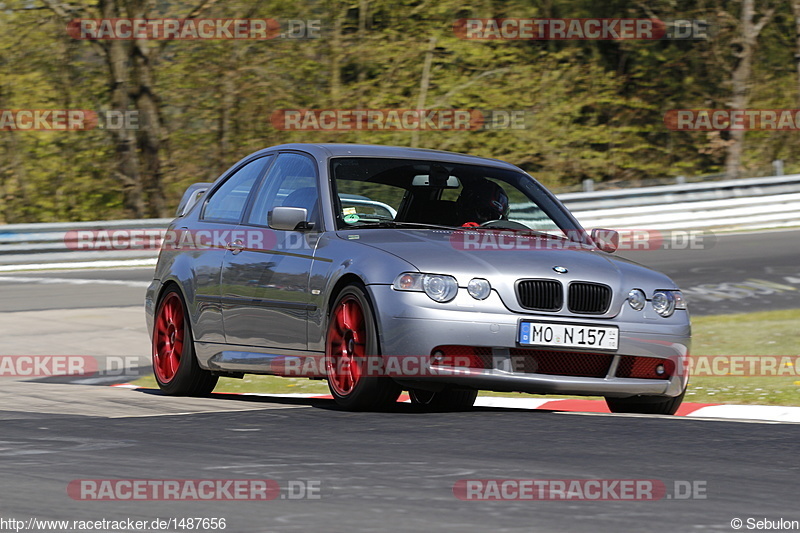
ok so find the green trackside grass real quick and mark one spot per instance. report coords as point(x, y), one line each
point(763, 333)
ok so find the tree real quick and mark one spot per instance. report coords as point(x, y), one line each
point(741, 78)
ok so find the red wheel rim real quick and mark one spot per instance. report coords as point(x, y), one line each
point(346, 345)
point(168, 338)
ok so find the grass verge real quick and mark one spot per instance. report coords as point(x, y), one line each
point(769, 333)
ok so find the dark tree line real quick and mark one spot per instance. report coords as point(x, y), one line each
point(594, 109)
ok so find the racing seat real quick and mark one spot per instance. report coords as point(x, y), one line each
point(443, 212)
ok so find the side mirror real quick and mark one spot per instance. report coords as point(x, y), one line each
point(289, 219)
point(606, 239)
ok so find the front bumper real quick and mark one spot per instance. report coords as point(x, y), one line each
point(410, 324)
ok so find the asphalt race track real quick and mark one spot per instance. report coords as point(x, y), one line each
point(392, 471)
point(396, 471)
point(733, 273)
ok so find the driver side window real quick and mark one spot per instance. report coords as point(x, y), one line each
point(291, 182)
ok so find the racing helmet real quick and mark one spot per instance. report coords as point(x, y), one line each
point(482, 201)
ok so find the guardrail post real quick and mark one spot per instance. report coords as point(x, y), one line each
point(778, 166)
point(588, 185)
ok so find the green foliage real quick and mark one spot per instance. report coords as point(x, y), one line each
point(594, 109)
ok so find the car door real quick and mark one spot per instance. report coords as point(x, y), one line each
point(265, 277)
point(204, 239)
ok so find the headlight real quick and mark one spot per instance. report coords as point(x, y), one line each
point(664, 303)
point(438, 287)
point(637, 299)
point(479, 288)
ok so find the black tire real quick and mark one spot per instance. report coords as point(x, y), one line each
point(650, 405)
point(368, 392)
point(444, 400)
point(189, 379)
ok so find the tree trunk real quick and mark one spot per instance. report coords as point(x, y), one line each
point(796, 13)
point(125, 146)
point(424, 83)
point(363, 10)
point(150, 133)
point(740, 80)
point(338, 54)
point(227, 89)
point(130, 74)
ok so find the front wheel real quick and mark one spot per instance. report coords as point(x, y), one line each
point(174, 362)
point(444, 400)
point(352, 358)
point(651, 405)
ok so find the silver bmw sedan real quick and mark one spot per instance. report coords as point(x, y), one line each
point(383, 269)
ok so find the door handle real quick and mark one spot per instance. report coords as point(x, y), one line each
point(236, 246)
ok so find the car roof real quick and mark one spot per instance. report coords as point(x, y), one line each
point(325, 150)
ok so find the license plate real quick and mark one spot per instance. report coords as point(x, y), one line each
point(568, 335)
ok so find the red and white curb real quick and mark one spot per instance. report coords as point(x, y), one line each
point(760, 413)
point(766, 413)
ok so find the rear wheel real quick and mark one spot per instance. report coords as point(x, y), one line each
point(174, 362)
point(444, 400)
point(651, 405)
point(352, 358)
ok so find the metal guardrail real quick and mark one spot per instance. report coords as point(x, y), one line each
point(687, 192)
point(748, 213)
point(52, 243)
point(752, 203)
point(742, 204)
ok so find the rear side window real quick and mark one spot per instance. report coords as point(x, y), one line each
point(228, 201)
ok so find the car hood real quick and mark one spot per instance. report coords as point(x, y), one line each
point(466, 254)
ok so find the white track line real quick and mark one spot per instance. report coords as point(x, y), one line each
point(776, 413)
point(80, 265)
point(73, 281)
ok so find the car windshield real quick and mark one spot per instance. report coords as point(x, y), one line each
point(383, 192)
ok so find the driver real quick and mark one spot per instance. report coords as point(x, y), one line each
point(481, 202)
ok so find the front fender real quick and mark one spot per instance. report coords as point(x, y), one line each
point(337, 260)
